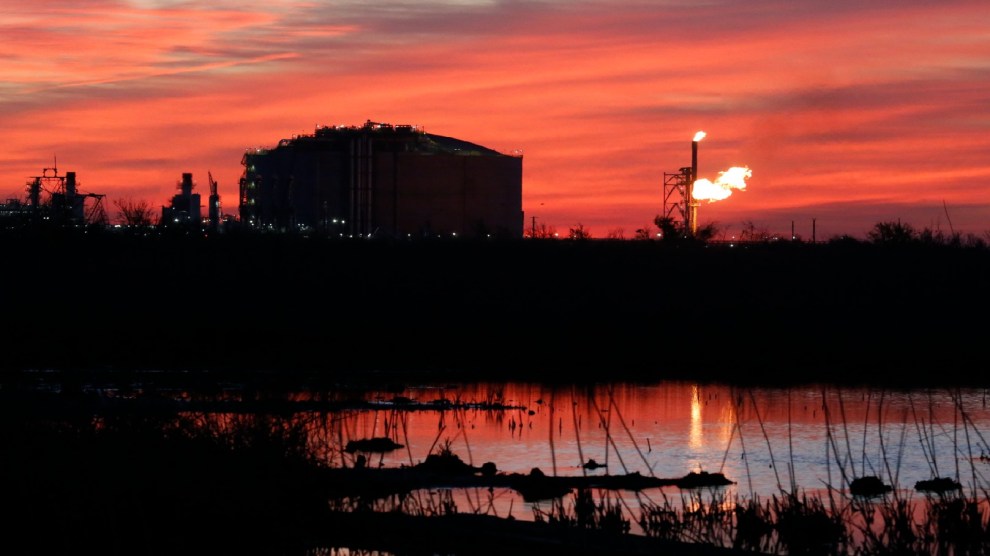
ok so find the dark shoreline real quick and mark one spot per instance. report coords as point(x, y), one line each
point(554, 311)
point(269, 314)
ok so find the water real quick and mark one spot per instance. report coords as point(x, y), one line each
point(806, 439)
point(810, 439)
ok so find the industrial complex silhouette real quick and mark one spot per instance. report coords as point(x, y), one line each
point(373, 180)
point(380, 179)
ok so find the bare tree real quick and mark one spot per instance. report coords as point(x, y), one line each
point(646, 232)
point(616, 233)
point(579, 232)
point(542, 231)
point(892, 233)
point(752, 232)
point(135, 213)
point(706, 232)
point(669, 229)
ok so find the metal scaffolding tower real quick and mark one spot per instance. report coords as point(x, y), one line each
point(676, 194)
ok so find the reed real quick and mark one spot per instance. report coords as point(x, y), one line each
point(269, 470)
point(585, 512)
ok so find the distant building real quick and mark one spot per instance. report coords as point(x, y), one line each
point(382, 180)
point(185, 208)
point(54, 200)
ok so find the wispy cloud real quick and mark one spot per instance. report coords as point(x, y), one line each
point(836, 104)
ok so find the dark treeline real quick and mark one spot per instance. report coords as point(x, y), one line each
point(527, 309)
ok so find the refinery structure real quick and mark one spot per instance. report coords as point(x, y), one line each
point(371, 181)
point(382, 180)
point(56, 200)
point(683, 191)
point(185, 208)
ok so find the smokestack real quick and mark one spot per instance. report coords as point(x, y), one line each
point(694, 163)
point(34, 193)
point(187, 184)
point(692, 205)
point(214, 213)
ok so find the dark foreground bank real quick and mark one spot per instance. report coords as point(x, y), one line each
point(139, 483)
point(544, 310)
point(89, 472)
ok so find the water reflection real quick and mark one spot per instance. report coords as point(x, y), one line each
point(695, 439)
point(765, 439)
point(810, 440)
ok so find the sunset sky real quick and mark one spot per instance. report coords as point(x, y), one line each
point(846, 112)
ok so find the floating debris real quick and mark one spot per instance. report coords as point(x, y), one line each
point(592, 464)
point(702, 479)
point(940, 485)
point(446, 463)
point(377, 444)
point(868, 486)
point(537, 486)
point(440, 404)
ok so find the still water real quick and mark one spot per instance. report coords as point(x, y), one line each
point(805, 439)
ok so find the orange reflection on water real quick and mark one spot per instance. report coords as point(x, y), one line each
point(765, 439)
point(695, 438)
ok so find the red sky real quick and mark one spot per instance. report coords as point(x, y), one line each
point(848, 113)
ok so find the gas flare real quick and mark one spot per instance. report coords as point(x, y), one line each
point(721, 188)
point(699, 136)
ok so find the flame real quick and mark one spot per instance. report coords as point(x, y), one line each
point(721, 188)
point(699, 136)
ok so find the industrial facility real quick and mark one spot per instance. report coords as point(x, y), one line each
point(679, 203)
point(382, 180)
point(56, 200)
point(683, 190)
point(185, 207)
point(185, 210)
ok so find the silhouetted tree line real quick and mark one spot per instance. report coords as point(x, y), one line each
point(242, 300)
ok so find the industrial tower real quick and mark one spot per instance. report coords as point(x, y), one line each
point(214, 210)
point(65, 204)
point(679, 204)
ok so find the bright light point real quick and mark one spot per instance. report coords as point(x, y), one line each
point(699, 136)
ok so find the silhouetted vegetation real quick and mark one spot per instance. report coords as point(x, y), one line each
point(902, 234)
point(78, 471)
point(136, 214)
point(140, 483)
point(84, 475)
point(778, 311)
point(579, 232)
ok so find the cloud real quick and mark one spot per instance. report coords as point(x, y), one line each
point(879, 104)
